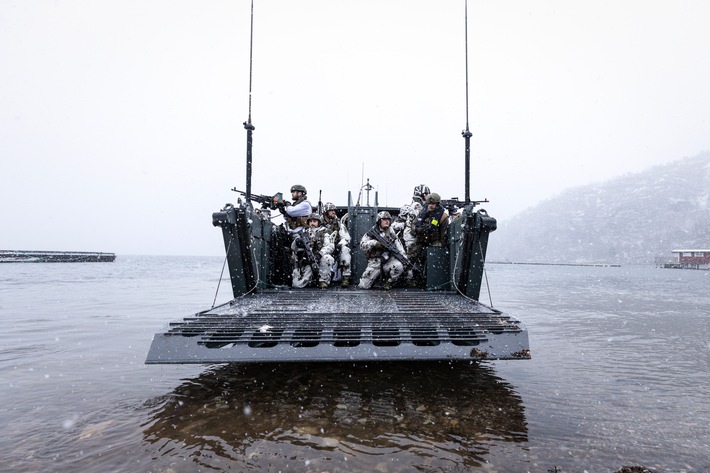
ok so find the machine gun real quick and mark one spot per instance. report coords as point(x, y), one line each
point(392, 248)
point(455, 203)
point(266, 201)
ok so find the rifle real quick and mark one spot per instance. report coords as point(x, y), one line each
point(392, 248)
point(305, 242)
point(265, 200)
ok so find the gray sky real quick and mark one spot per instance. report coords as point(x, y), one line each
point(121, 121)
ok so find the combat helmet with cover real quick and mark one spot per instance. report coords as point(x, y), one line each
point(420, 191)
point(384, 215)
point(299, 187)
point(314, 216)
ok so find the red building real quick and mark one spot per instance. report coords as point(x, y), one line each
point(692, 258)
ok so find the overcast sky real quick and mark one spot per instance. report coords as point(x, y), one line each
point(121, 121)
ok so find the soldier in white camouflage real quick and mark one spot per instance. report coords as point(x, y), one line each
point(341, 241)
point(379, 259)
point(404, 225)
point(321, 246)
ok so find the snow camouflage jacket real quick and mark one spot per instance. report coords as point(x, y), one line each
point(404, 223)
point(337, 230)
point(373, 248)
point(321, 241)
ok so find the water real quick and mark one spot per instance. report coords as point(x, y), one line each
point(619, 376)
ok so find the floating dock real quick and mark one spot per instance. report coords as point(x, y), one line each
point(13, 256)
point(305, 325)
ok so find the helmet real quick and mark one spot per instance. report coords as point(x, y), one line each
point(298, 187)
point(384, 215)
point(314, 216)
point(328, 206)
point(433, 198)
point(420, 190)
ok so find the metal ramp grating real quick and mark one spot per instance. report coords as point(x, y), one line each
point(312, 325)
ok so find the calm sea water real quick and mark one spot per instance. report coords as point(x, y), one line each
point(620, 375)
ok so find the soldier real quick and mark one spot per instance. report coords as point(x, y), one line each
point(404, 225)
point(297, 213)
point(296, 216)
point(316, 256)
point(341, 240)
point(379, 259)
point(432, 224)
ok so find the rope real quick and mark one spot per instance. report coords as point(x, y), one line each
point(221, 274)
point(453, 274)
point(256, 284)
point(256, 281)
point(485, 273)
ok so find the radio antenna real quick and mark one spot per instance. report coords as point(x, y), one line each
point(247, 124)
point(466, 133)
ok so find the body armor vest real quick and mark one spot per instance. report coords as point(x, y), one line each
point(429, 225)
point(295, 222)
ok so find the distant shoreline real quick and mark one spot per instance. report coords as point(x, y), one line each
point(596, 265)
point(24, 256)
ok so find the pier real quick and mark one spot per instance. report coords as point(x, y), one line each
point(21, 256)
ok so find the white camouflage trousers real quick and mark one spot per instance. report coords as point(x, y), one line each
point(392, 269)
point(344, 260)
point(302, 276)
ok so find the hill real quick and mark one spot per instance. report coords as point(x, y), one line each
point(630, 220)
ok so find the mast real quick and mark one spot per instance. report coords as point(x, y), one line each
point(466, 133)
point(247, 124)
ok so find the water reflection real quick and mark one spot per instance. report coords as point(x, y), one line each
point(315, 417)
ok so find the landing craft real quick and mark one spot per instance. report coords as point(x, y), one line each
point(269, 321)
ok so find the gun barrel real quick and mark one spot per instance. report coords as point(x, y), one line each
point(264, 200)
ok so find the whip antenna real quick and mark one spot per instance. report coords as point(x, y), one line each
point(466, 133)
point(247, 124)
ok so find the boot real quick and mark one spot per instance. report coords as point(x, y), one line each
point(387, 285)
point(345, 282)
point(323, 285)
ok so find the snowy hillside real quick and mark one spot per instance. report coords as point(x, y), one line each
point(631, 219)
